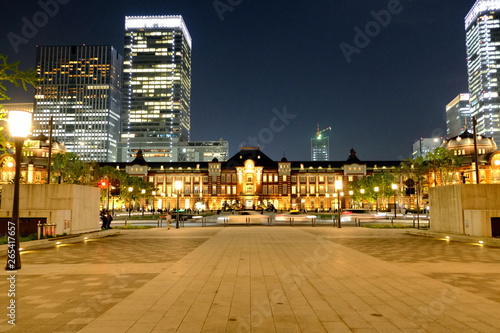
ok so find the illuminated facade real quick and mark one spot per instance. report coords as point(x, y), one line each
point(157, 82)
point(488, 160)
point(34, 161)
point(482, 26)
point(458, 115)
point(80, 88)
point(252, 180)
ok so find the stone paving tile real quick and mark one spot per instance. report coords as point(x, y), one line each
point(485, 284)
point(65, 300)
point(258, 279)
point(463, 261)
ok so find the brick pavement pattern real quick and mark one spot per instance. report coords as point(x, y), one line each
point(258, 279)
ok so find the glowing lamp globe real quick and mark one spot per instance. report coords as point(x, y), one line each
point(19, 123)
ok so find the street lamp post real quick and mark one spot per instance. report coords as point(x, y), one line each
point(338, 188)
point(362, 191)
point(153, 193)
point(376, 189)
point(19, 126)
point(130, 190)
point(107, 194)
point(143, 192)
point(395, 188)
point(178, 186)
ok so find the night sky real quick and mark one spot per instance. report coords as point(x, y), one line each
point(255, 59)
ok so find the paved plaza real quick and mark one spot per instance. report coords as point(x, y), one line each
point(257, 279)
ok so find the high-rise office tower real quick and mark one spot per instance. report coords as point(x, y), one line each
point(320, 145)
point(80, 89)
point(320, 148)
point(157, 86)
point(458, 116)
point(482, 25)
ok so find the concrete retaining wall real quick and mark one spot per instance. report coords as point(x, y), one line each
point(73, 208)
point(449, 204)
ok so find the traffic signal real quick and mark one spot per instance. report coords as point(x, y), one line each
point(103, 184)
point(115, 190)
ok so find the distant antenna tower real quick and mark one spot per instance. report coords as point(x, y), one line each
point(320, 145)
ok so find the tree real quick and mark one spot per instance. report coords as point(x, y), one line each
point(67, 168)
point(413, 173)
point(383, 180)
point(10, 73)
point(444, 165)
point(133, 187)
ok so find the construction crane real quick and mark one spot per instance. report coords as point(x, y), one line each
point(318, 131)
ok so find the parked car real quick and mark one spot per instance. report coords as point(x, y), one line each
point(360, 214)
point(242, 217)
point(295, 215)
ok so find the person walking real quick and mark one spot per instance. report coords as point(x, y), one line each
point(109, 218)
point(168, 217)
point(104, 219)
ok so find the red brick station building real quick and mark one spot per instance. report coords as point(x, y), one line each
point(252, 180)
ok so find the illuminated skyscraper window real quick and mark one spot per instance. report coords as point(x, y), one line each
point(482, 26)
point(157, 87)
point(80, 89)
point(458, 117)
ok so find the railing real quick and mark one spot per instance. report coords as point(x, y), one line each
point(46, 229)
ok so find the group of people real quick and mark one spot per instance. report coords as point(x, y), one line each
point(106, 219)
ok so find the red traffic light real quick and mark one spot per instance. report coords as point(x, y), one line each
point(103, 184)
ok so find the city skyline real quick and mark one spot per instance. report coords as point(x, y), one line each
point(301, 64)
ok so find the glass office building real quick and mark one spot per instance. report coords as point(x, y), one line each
point(458, 117)
point(320, 148)
point(482, 26)
point(80, 89)
point(157, 87)
point(424, 146)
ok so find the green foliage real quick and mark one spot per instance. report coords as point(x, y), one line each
point(444, 163)
point(132, 190)
point(30, 237)
point(383, 180)
point(67, 168)
point(10, 72)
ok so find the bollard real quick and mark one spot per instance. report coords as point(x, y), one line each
point(392, 221)
point(40, 226)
